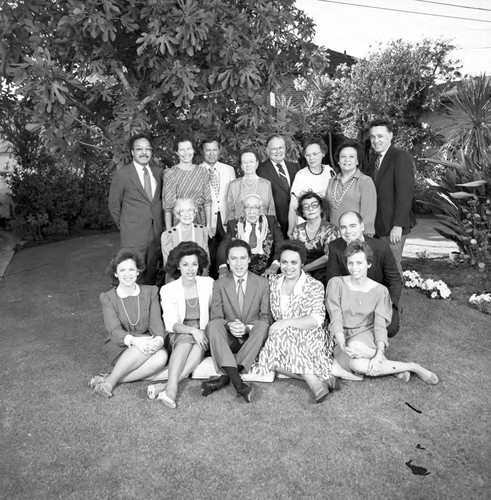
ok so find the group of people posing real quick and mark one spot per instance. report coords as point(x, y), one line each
point(274, 239)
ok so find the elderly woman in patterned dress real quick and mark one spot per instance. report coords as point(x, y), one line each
point(298, 345)
point(187, 180)
point(316, 233)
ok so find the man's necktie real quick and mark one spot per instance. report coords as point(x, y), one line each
point(240, 293)
point(376, 165)
point(215, 181)
point(253, 237)
point(147, 186)
point(283, 177)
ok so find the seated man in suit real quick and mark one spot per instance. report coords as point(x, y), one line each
point(281, 174)
point(383, 269)
point(240, 317)
point(263, 234)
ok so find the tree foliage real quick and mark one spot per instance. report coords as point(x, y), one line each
point(398, 81)
point(96, 71)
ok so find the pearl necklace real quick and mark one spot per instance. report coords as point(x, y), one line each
point(188, 301)
point(336, 203)
point(250, 183)
point(126, 312)
point(315, 173)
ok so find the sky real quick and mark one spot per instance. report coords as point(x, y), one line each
point(357, 29)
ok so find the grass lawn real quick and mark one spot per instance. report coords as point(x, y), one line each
point(59, 441)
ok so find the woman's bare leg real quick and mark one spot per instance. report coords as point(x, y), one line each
point(177, 362)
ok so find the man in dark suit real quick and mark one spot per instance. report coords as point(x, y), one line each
point(135, 204)
point(392, 171)
point(281, 174)
point(263, 234)
point(383, 269)
point(240, 317)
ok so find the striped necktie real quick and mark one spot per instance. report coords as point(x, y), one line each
point(283, 177)
point(376, 165)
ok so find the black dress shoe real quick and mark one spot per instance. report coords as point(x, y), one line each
point(245, 390)
point(213, 384)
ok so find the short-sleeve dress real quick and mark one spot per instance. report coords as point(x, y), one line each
point(138, 315)
point(363, 316)
point(301, 351)
point(194, 184)
point(318, 245)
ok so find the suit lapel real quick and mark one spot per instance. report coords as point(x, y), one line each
point(158, 184)
point(276, 178)
point(232, 295)
point(249, 294)
point(136, 182)
point(385, 164)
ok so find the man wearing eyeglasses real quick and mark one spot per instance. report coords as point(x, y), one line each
point(281, 174)
point(261, 232)
point(135, 204)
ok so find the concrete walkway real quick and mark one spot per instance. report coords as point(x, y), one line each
point(422, 239)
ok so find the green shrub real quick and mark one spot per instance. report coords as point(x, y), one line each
point(52, 200)
point(462, 203)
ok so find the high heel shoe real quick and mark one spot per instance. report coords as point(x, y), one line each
point(333, 384)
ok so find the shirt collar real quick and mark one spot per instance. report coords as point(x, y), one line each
point(122, 294)
point(236, 280)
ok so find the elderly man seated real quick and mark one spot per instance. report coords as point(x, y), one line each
point(261, 232)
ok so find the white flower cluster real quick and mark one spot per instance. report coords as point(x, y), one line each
point(480, 299)
point(435, 289)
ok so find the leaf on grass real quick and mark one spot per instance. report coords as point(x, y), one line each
point(419, 471)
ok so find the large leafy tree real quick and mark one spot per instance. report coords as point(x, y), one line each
point(95, 71)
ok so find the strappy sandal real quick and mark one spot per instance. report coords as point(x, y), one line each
point(103, 389)
point(97, 379)
point(167, 400)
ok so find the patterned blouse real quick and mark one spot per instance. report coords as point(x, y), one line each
point(319, 244)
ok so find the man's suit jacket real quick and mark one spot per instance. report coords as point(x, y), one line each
point(225, 304)
point(138, 219)
point(281, 195)
point(219, 204)
point(383, 270)
point(395, 186)
point(273, 239)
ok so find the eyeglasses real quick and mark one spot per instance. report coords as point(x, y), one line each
point(252, 209)
point(186, 211)
point(313, 205)
point(143, 150)
point(313, 155)
point(278, 150)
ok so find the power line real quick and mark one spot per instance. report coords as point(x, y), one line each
point(453, 5)
point(407, 11)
